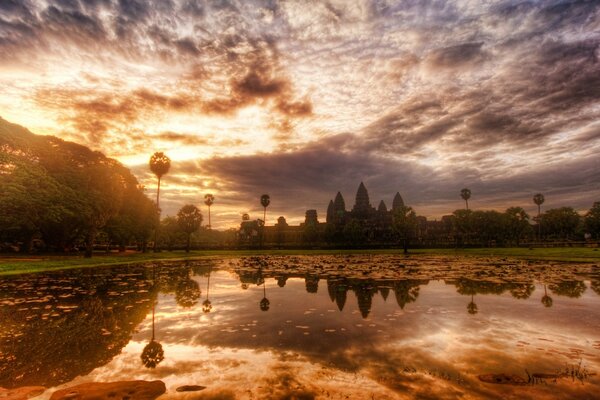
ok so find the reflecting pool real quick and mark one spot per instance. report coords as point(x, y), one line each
point(331, 327)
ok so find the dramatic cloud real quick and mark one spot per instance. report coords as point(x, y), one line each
point(301, 99)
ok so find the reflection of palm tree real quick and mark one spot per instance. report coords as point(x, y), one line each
point(264, 303)
point(472, 307)
point(546, 300)
point(539, 199)
point(159, 165)
point(206, 304)
point(466, 195)
point(209, 199)
point(153, 352)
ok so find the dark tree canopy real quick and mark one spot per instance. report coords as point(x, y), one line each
point(65, 194)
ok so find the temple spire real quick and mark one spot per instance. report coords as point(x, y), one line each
point(330, 212)
point(338, 203)
point(398, 203)
point(362, 199)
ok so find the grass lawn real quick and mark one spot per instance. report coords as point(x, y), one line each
point(10, 265)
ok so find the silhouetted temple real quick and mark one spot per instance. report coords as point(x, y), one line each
point(362, 225)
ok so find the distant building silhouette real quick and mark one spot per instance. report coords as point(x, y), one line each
point(362, 225)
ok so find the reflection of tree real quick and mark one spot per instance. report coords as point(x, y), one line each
point(264, 303)
point(468, 286)
point(546, 300)
point(206, 304)
point(595, 285)
point(281, 280)
point(406, 291)
point(472, 307)
point(187, 293)
point(568, 288)
point(153, 352)
point(521, 290)
point(90, 317)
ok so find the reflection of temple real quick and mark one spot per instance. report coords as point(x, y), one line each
point(405, 291)
point(363, 222)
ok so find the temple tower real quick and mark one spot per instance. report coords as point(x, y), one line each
point(398, 203)
point(330, 212)
point(362, 205)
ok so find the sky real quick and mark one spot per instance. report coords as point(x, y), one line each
point(301, 99)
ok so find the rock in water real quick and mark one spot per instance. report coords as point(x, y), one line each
point(190, 388)
point(125, 390)
point(22, 393)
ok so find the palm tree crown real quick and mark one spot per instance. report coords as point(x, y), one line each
point(466, 195)
point(160, 163)
point(209, 199)
point(265, 200)
point(538, 199)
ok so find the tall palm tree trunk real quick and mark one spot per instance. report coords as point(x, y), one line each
point(158, 222)
point(539, 224)
point(209, 225)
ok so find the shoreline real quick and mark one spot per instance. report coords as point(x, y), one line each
point(22, 264)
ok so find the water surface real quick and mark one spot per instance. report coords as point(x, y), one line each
point(381, 327)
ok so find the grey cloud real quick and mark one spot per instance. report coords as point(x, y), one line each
point(457, 56)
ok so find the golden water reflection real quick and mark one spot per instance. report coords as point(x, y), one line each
point(311, 327)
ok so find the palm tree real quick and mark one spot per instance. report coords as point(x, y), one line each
point(209, 199)
point(265, 200)
point(466, 195)
point(539, 199)
point(159, 165)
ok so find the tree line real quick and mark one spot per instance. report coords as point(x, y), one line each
point(61, 196)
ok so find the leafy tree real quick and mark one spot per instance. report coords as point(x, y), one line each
point(592, 220)
point(189, 220)
point(561, 223)
point(462, 225)
point(404, 225)
point(159, 165)
point(466, 195)
point(517, 222)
